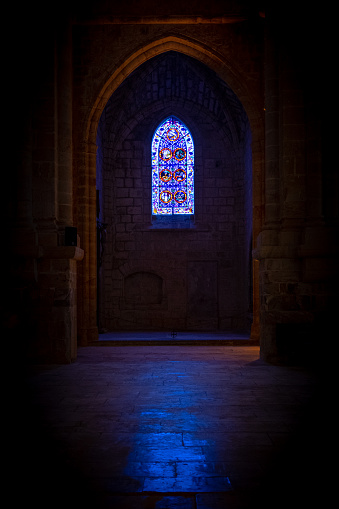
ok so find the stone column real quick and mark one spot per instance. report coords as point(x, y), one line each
point(87, 280)
point(297, 248)
point(43, 270)
point(56, 339)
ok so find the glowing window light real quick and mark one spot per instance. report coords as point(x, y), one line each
point(172, 169)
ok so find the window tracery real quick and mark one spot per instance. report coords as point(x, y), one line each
point(172, 169)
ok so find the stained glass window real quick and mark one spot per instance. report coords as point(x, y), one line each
point(172, 169)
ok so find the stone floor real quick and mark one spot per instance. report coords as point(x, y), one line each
point(189, 427)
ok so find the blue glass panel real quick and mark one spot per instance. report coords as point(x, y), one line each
point(172, 169)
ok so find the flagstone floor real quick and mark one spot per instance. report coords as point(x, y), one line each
point(189, 427)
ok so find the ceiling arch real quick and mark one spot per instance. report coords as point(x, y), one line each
point(188, 47)
point(178, 78)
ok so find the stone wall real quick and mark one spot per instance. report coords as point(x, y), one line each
point(198, 268)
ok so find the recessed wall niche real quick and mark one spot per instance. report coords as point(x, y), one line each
point(143, 289)
point(219, 235)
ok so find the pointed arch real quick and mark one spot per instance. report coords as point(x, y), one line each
point(172, 169)
point(86, 203)
point(209, 57)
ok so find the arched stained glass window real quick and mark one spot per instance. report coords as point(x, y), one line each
point(172, 169)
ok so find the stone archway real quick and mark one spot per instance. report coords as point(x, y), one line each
point(87, 294)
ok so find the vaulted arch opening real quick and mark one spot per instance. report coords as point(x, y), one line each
point(204, 262)
point(203, 265)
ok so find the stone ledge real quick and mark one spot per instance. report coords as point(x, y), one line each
point(162, 20)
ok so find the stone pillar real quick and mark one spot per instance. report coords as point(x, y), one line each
point(42, 271)
point(87, 280)
point(56, 339)
point(63, 93)
point(297, 249)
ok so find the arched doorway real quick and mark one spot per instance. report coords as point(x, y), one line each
point(212, 61)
